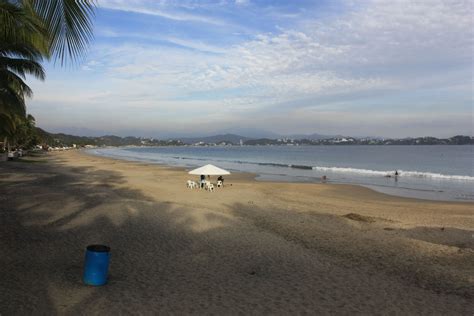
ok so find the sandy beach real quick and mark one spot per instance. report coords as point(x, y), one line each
point(248, 248)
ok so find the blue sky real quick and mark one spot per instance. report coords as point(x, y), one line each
point(170, 68)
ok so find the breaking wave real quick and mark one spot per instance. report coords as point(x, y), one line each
point(401, 173)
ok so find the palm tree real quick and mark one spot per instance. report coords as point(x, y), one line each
point(19, 129)
point(25, 132)
point(31, 30)
point(21, 52)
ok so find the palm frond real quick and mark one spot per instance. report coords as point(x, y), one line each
point(22, 67)
point(11, 103)
point(10, 80)
point(69, 23)
point(31, 119)
point(21, 49)
point(20, 23)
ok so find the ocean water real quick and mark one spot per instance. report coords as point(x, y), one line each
point(427, 172)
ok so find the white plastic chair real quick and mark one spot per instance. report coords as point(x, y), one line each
point(211, 187)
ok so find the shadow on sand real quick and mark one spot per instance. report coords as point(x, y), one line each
point(164, 258)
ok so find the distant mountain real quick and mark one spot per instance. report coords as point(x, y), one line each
point(232, 138)
point(112, 140)
point(249, 132)
point(254, 133)
point(66, 139)
point(60, 139)
point(86, 132)
point(314, 136)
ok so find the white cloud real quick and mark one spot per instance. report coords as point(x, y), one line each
point(402, 45)
point(153, 38)
point(157, 8)
point(242, 2)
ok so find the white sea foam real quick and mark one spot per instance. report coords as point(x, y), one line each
point(435, 175)
point(402, 173)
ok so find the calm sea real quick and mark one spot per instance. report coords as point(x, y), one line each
point(429, 172)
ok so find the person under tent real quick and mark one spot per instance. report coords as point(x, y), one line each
point(202, 183)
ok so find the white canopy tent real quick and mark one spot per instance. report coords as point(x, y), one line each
point(209, 170)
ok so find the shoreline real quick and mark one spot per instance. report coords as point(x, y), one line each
point(253, 247)
point(399, 192)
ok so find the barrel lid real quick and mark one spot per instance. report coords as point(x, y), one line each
point(98, 248)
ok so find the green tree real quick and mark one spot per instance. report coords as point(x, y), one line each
point(25, 132)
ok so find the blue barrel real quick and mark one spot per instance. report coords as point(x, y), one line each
point(96, 265)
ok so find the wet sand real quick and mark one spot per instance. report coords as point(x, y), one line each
point(249, 248)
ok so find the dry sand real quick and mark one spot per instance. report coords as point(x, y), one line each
point(249, 248)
